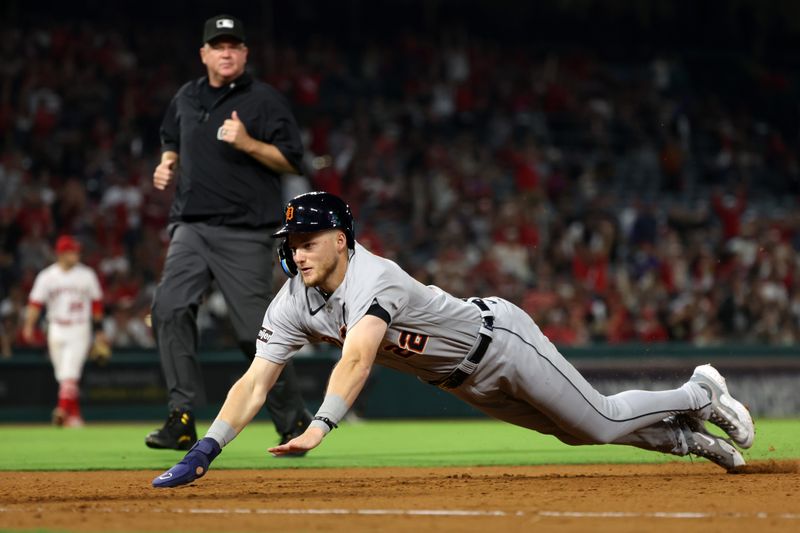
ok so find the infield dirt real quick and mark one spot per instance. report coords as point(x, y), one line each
point(665, 497)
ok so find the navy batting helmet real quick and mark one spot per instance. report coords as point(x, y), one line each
point(309, 212)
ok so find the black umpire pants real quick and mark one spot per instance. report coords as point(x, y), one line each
point(241, 261)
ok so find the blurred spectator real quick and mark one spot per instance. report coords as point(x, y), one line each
point(617, 200)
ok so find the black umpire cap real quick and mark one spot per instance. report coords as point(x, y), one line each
point(223, 26)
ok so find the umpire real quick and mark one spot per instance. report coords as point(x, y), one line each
point(226, 139)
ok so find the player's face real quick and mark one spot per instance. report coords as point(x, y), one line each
point(224, 59)
point(68, 259)
point(317, 256)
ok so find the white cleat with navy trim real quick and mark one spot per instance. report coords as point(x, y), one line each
point(726, 412)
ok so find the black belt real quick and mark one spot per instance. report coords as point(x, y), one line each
point(466, 367)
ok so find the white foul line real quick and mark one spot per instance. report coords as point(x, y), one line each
point(376, 512)
point(451, 513)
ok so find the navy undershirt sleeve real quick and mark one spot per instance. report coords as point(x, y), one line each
point(376, 310)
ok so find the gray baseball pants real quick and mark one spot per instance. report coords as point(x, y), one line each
point(525, 381)
point(241, 261)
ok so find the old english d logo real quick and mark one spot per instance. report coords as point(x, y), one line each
point(289, 213)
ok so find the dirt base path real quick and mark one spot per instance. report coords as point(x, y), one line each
point(665, 497)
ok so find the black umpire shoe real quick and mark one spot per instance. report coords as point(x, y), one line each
point(178, 432)
point(298, 428)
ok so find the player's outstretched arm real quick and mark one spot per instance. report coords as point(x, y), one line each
point(243, 402)
point(346, 381)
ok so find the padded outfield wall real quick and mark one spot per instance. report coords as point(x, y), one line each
point(131, 387)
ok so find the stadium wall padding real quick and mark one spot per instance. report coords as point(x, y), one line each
point(131, 387)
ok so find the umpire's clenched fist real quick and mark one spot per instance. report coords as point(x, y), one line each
point(234, 133)
point(164, 173)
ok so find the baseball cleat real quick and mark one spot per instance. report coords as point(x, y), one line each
point(727, 413)
point(59, 416)
point(178, 432)
point(74, 421)
point(703, 444)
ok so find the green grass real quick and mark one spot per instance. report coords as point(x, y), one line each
point(367, 444)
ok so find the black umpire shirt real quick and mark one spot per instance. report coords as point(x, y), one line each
point(217, 183)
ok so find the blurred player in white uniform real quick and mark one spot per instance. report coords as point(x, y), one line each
point(71, 292)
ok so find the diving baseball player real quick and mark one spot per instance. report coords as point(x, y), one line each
point(71, 292)
point(487, 352)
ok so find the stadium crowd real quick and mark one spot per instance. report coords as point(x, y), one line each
point(617, 201)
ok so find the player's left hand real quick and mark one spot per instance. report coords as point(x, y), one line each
point(309, 440)
point(100, 352)
point(234, 132)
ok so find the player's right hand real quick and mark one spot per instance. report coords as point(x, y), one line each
point(163, 174)
point(193, 465)
point(309, 440)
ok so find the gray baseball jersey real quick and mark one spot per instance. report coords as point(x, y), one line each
point(522, 378)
